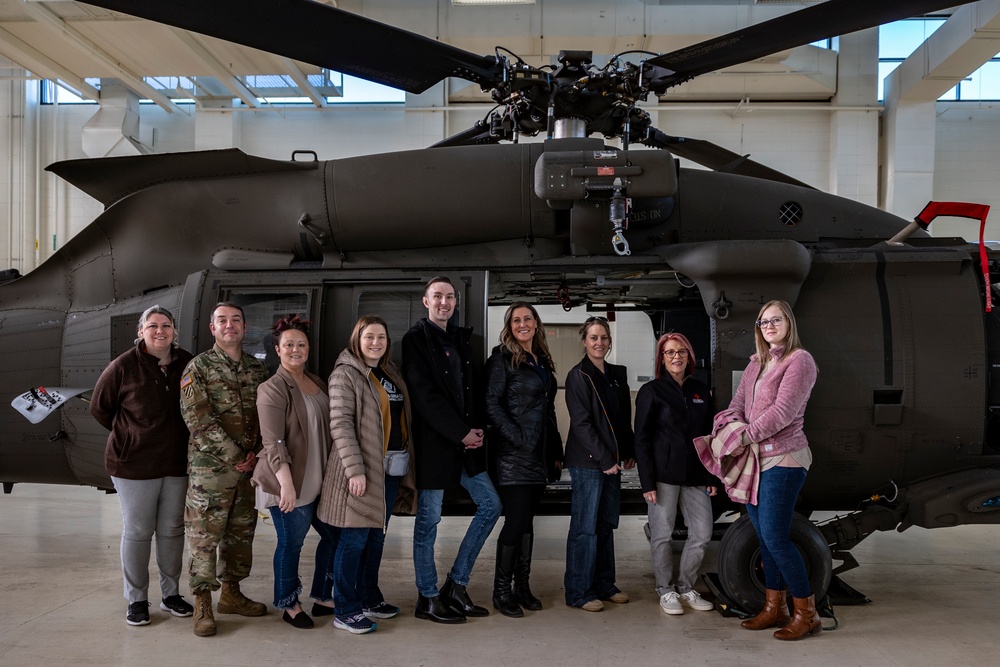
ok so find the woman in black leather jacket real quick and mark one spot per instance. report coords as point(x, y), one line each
point(520, 404)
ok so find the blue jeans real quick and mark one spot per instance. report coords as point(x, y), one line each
point(772, 519)
point(425, 525)
point(590, 546)
point(291, 528)
point(357, 562)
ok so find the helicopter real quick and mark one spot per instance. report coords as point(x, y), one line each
point(899, 438)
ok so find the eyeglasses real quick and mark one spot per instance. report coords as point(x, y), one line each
point(773, 322)
point(595, 318)
point(676, 353)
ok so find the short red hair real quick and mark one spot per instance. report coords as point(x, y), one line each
point(661, 368)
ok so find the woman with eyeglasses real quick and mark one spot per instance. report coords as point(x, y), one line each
point(520, 404)
point(598, 446)
point(670, 411)
point(137, 398)
point(772, 398)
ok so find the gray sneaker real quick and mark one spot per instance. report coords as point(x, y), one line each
point(670, 604)
point(695, 601)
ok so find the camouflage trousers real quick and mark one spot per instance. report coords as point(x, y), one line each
point(219, 515)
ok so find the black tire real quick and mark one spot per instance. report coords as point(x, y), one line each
point(740, 570)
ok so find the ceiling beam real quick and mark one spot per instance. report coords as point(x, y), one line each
point(302, 81)
point(47, 17)
point(219, 71)
point(967, 40)
point(32, 59)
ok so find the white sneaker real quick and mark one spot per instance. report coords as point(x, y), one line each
point(671, 604)
point(695, 601)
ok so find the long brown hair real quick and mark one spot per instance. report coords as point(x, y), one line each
point(538, 343)
point(791, 341)
point(355, 346)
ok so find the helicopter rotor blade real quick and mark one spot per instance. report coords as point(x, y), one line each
point(475, 135)
point(323, 36)
point(828, 19)
point(717, 158)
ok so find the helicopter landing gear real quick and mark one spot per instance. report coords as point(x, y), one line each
point(740, 571)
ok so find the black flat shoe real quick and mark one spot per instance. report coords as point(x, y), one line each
point(300, 620)
point(435, 609)
point(323, 610)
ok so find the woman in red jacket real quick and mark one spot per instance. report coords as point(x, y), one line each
point(772, 400)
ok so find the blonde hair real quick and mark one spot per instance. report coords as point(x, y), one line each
point(791, 341)
point(538, 343)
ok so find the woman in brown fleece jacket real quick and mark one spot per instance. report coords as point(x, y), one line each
point(137, 398)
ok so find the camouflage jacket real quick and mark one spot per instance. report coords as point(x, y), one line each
point(219, 405)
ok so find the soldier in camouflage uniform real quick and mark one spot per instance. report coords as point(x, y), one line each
point(219, 404)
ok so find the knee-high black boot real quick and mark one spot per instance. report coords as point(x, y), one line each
point(503, 598)
point(522, 572)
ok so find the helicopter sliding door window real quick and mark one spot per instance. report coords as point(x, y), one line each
point(263, 309)
point(400, 306)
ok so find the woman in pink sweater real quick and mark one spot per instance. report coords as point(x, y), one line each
point(772, 400)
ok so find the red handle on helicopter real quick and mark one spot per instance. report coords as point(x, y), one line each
point(960, 209)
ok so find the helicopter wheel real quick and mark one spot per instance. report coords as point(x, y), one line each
point(741, 571)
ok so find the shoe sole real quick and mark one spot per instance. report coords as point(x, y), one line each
point(707, 606)
point(354, 631)
point(438, 619)
point(137, 623)
point(380, 615)
point(251, 614)
point(205, 633)
point(672, 612)
point(176, 613)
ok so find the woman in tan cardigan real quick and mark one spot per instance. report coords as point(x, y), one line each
point(294, 423)
point(369, 421)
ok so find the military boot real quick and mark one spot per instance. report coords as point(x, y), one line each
point(204, 621)
point(232, 601)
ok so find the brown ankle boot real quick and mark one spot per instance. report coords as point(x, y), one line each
point(805, 620)
point(204, 621)
point(773, 615)
point(232, 601)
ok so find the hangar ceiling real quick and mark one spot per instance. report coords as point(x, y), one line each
point(71, 42)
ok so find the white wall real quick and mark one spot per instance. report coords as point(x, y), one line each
point(967, 166)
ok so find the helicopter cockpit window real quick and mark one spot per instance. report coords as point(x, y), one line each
point(262, 310)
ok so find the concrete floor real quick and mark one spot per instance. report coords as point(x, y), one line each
point(60, 585)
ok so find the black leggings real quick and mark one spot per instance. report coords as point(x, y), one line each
point(520, 502)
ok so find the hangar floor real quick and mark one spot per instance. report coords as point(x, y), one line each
point(60, 584)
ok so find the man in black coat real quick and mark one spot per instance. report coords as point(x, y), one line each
point(448, 444)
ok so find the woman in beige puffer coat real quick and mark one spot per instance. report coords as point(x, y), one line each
point(369, 416)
